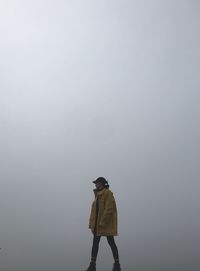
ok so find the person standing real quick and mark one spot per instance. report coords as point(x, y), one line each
point(103, 222)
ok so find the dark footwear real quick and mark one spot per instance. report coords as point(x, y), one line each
point(91, 267)
point(116, 266)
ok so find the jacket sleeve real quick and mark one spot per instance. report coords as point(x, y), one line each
point(92, 216)
point(109, 208)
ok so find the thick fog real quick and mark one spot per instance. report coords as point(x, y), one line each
point(99, 88)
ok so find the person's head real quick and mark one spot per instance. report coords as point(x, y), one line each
point(101, 183)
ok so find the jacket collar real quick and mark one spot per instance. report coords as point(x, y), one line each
point(98, 193)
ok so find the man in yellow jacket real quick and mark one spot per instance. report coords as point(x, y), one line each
point(103, 222)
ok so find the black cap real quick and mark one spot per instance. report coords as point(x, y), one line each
point(100, 180)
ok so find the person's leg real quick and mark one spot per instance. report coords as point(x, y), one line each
point(95, 247)
point(111, 242)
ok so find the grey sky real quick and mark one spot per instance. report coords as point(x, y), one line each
point(99, 88)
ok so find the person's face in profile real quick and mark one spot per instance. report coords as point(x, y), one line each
point(99, 186)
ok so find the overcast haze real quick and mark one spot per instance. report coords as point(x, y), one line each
point(99, 88)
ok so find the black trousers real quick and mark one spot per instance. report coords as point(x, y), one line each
point(111, 242)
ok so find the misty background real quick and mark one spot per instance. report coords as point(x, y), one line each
point(99, 88)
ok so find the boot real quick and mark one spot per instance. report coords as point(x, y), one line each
point(91, 267)
point(116, 266)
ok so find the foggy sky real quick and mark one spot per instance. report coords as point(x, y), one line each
point(99, 88)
